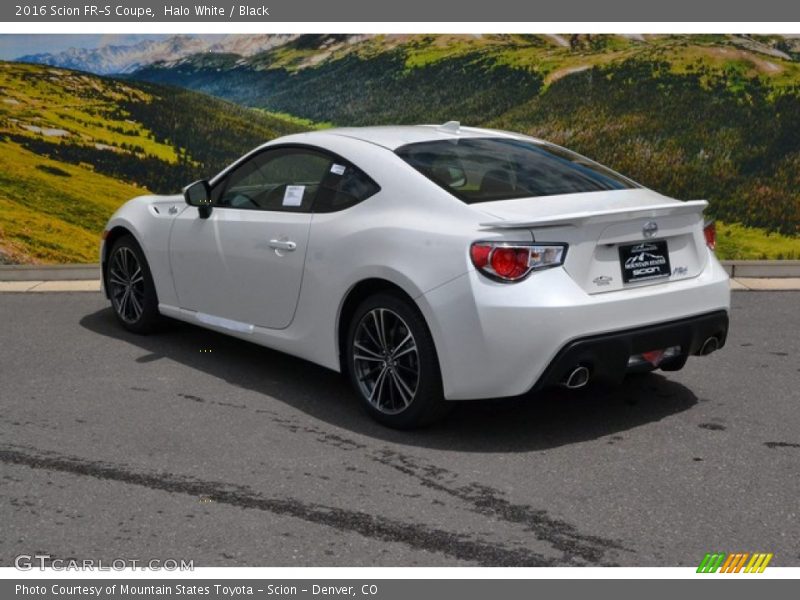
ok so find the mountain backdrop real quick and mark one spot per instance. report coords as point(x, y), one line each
point(114, 59)
point(74, 147)
point(705, 116)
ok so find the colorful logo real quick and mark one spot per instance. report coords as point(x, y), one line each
point(735, 563)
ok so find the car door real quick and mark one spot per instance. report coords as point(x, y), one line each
point(243, 265)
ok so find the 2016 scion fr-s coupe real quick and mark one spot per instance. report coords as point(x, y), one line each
point(428, 263)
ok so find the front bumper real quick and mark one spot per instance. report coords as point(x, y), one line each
point(606, 355)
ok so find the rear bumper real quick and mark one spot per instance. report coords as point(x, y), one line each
point(606, 355)
point(496, 340)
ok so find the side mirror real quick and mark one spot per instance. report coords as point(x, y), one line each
point(198, 194)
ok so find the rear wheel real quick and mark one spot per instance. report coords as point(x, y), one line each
point(130, 287)
point(392, 363)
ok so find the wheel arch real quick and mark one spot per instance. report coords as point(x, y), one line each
point(109, 239)
point(355, 296)
point(114, 234)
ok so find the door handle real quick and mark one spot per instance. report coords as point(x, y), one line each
point(283, 245)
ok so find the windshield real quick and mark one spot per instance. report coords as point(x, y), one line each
point(486, 169)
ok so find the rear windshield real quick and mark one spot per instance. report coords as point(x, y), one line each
point(486, 169)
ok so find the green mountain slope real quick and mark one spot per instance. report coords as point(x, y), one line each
point(358, 80)
point(713, 116)
point(358, 90)
point(700, 134)
point(74, 147)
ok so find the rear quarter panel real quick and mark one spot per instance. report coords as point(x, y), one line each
point(411, 233)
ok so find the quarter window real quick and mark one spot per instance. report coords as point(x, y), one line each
point(343, 187)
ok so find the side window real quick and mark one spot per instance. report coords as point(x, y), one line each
point(283, 179)
point(344, 186)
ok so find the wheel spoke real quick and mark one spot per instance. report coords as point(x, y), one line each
point(130, 310)
point(412, 348)
point(371, 337)
point(367, 358)
point(137, 276)
point(379, 327)
point(405, 340)
point(402, 383)
point(118, 264)
point(405, 394)
point(116, 270)
point(123, 303)
point(384, 333)
point(135, 305)
point(124, 258)
point(378, 387)
point(374, 355)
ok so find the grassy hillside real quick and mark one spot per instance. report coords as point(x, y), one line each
point(701, 134)
point(359, 90)
point(704, 116)
point(74, 147)
point(356, 80)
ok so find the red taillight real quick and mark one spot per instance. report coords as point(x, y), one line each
point(513, 261)
point(710, 234)
point(510, 263)
point(480, 254)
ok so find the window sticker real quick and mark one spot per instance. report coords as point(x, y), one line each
point(293, 196)
point(338, 169)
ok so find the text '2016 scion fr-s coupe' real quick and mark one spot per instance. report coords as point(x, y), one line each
point(428, 263)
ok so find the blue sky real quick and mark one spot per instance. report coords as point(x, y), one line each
point(14, 46)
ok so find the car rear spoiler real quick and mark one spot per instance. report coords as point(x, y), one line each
point(580, 218)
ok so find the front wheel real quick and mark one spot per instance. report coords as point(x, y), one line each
point(392, 363)
point(130, 287)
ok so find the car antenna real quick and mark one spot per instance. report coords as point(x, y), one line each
point(450, 127)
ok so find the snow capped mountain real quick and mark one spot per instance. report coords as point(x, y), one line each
point(248, 45)
point(112, 59)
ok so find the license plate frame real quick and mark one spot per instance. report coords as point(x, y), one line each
point(644, 261)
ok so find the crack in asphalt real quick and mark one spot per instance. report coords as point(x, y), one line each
point(416, 536)
point(479, 498)
point(712, 426)
point(488, 501)
point(772, 445)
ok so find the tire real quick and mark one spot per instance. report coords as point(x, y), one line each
point(130, 287)
point(392, 363)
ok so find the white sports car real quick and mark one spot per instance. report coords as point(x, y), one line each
point(428, 263)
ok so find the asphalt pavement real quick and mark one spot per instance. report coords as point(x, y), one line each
point(191, 445)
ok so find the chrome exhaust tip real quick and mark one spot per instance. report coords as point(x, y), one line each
point(577, 378)
point(709, 346)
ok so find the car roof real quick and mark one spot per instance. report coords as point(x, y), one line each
point(394, 136)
